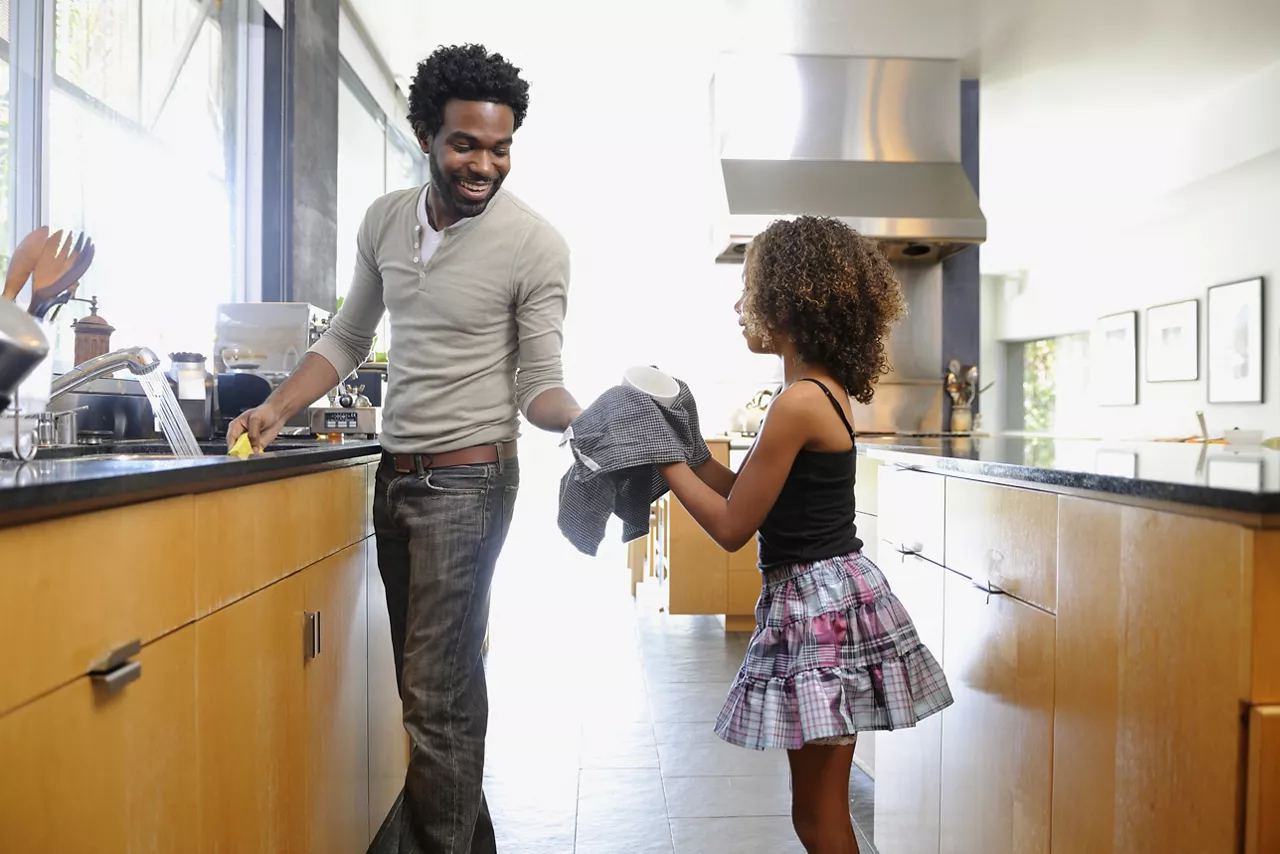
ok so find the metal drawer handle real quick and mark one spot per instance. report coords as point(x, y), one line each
point(988, 588)
point(913, 550)
point(112, 681)
point(116, 657)
point(313, 634)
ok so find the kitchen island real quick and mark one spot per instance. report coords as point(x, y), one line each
point(198, 654)
point(1108, 616)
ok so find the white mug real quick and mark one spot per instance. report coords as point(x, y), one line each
point(653, 382)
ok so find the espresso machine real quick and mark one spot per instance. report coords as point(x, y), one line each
point(257, 346)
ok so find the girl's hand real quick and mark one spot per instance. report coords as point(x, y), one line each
point(732, 519)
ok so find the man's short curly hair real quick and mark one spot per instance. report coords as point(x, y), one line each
point(468, 73)
point(831, 291)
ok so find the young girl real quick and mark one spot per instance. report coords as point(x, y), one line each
point(833, 653)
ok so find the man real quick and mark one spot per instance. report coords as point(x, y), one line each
point(475, 285)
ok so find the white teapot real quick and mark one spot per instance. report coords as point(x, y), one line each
point(747, 419)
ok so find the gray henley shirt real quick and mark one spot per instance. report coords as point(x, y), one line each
point(476, 329)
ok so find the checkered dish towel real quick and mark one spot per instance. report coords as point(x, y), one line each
point(617, 445)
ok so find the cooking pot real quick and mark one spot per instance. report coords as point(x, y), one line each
point(22, 346)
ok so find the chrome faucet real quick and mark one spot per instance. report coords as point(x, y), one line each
point(139, 360)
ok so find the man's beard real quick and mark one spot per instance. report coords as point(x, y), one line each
point(456, 204)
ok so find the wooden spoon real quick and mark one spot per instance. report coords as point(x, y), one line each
point(64, 288)
point(24, 261)
point(57, 260)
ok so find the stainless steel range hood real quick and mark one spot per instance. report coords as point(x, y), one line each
point(873, 142)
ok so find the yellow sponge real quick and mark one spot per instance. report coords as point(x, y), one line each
point(241, 448)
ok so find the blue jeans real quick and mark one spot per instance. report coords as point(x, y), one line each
point(439, 534)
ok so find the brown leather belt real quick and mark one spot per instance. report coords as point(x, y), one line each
point(475, 455)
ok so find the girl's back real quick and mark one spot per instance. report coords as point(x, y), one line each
point(813, 517)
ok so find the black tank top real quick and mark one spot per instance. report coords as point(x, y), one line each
point(813, 518)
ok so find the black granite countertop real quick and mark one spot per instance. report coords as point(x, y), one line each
point(1224, 477)
point(53, 485)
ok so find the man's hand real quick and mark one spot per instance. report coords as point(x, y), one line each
point(262, 423)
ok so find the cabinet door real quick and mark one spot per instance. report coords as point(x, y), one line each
point(252, 733)
point(1151, 670)
point(1005, 535)
point(865, 489)
point(336, 677)
point(912, 511)
point(699, 569)
point(997, 739)
point(908, 762)
point(388, 740)
point(74, 589)
point(87, 768)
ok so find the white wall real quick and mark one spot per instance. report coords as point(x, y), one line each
point(1111, 208)
point(615, 154)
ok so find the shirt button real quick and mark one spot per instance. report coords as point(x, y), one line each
point(415, 259)
point(417, 228)
point(415, 245)
point(422, 275)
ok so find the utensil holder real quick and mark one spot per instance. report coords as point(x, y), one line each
point(18, 429)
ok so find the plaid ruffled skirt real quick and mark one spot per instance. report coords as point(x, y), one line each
point(834, 653)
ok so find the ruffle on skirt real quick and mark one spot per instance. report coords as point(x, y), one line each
point(834, 653)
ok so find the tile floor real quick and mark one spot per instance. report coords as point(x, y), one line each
point(601, 714)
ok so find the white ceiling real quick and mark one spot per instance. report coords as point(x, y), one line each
point(1156, 48)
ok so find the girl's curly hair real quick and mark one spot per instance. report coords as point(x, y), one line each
point(831, 291)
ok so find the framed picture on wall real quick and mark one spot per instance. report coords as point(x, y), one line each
point(1234, 316)
point(1115, 374)
point(1173, 342)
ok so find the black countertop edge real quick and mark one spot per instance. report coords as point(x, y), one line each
point(1197, 495)
point(48, 489)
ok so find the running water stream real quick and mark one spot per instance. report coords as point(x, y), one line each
point(177, 432)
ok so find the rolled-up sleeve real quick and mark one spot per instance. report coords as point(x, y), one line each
point(541, 300)
point(346, 344)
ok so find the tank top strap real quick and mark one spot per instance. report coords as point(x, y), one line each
point(835, 403)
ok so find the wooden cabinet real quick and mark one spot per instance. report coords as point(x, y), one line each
point(1262, 818)
point(119, 576)
point(1151, 672)
point(869, 533)
point(697, 568)
point(252, 734)
point(88, 768)
point(912, 511)
point(908, 762)
point(997, 739)
point(866, 489)
point(701, 577)
point(337, 710)
point(241, 549)
point(285, 740)
point(239, 735)
point(1006, 535)
point(388, 739)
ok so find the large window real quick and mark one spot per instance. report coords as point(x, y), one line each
point(374, 158)
point(362, 172)
point(1049, 385)
point(141, 135)
point(6, 239)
